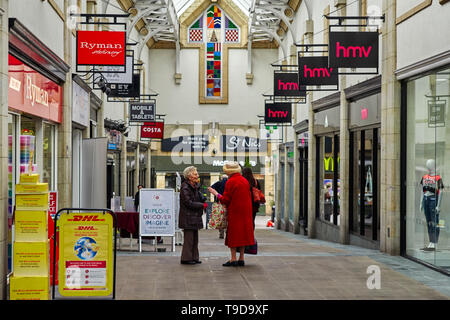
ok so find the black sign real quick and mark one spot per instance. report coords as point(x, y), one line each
point(123, 90)
point(185, 144)
point(285, 84)
point(436, 113)
point(314, 71)
point(278, 113)
point(142, 111)
point(243, 144)
point(353, 50)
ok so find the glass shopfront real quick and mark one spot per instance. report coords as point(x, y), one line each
point(326, 126)
point(427, 170)
point(365, 157)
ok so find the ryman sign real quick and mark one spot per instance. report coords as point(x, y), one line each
point(142, 111)
point(101, 48)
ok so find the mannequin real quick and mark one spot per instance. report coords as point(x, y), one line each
point(430, 202)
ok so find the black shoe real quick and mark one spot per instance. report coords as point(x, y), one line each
point(160, 241)
point(241, 263)
point(197, 261)
point(230, 264)
point(188, 262)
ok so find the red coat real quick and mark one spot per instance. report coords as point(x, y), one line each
point(237, 198)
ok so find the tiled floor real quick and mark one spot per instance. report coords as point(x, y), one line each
point(287, 266)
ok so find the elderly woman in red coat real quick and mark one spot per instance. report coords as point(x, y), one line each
point(238, 199)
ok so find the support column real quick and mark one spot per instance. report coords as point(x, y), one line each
point(278, 213)
point(3, 146)
point(148, 173)
point(123, 172)
point(287, 182)
point(65, 129)
point(137, 168)
point(390, 136)
point(344, 168)
point(160, 180)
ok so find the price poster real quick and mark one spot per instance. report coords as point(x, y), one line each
point(85, 254)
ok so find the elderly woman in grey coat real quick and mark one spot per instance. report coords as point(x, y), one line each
point(192, 204)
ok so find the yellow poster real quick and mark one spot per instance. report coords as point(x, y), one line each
point(31, 259)
point(85, 254)
point(31, 226)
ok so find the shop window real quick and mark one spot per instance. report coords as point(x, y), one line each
point(12, 180)
point(28, 145)
point(328, 179)
point(427, 168)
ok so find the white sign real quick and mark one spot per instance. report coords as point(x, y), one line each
point(156, 212)
point(115, 75)
point(80, 105)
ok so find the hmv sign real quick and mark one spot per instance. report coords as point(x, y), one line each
point(278, 113)
point(353, 49)
point(286, 84)
point(314, 71)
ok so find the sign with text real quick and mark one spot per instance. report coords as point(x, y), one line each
point(436, 113)
point(52, 203)
point(243, 144)
point(185, 144)
point(102, 48)
point(156, 212)
point(142, 111)
point(353, 49)
point(119, 74)
point(314, 71)
point(86, 254)
point(123, 90)
point(286, 84)
point(152, 130)
point(31, 92)
point(278, 113)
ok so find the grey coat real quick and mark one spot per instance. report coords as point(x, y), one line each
point(191, 207)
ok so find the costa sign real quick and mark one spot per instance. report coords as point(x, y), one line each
point(278, 113)
point(101, 48)
point(286, 84)
point(152, 130)
point(314, 71)
point(353, 49)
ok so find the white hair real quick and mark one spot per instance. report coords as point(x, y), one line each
point(187, 172)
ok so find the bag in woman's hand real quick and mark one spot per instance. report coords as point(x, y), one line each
point(253, 249)
point(218, 218)
point(258, 196)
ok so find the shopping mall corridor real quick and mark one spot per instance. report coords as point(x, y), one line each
point(287, 266)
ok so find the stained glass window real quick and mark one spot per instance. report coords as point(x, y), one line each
point(210, 30)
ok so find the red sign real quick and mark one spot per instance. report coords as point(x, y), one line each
point(102, 48)
point(52, 202)
point(31, 92)
point(153, 130)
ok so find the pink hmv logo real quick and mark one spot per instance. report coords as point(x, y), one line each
point(287, 85)
point(317, 72)
point(352, 51)
point(277, 114)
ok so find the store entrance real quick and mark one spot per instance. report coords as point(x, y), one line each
point(303, 215)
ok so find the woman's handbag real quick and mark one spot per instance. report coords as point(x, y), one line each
point(258, 196)
point(218, 218)
point(253, 249)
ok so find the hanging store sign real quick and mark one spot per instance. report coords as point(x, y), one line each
point(185, 144)
point(119, 74)
point(353, 49)
point(278, 113)
point(286, 84)
point(314, 71)
point(243, 144)
point(152, 130)
point(142, 111)
point(436, 113)
point(123, 90)
point(33, 93)
point(101, 48)
point(80, 105)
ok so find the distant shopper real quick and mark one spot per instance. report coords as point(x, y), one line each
point(136, 198)
point(247, 173)
point(219, 186)
point(237, 198)
point(192, 205)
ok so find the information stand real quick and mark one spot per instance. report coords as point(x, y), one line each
point(157, 214)
point(87, 252)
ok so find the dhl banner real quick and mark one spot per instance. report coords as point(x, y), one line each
point(86, 254)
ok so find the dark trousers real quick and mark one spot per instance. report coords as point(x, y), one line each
point(190, 246)
point(432, 217)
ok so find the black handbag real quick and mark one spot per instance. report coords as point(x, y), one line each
point(253, 249)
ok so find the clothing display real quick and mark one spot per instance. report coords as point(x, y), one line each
point(431, 187)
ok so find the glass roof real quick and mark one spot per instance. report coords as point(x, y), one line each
point(182, 5)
